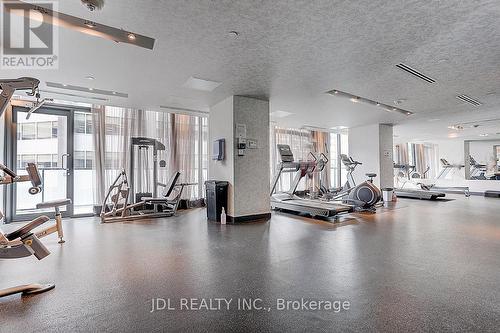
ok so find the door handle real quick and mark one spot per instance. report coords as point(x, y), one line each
point(65, 157)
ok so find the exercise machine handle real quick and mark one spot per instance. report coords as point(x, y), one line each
point(313, 156)
point(8, 171)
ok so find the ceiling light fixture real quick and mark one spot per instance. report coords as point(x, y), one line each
point(85, 89)
point(483, 134)
point(90, 77)
point(90, 24)
point(131, 36)
point(77, 24)
point(201, 84)
point(357, 99)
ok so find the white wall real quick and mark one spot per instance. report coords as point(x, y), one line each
point(372, 146)
point(220, 124)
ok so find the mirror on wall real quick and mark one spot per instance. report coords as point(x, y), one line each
point(483, 158)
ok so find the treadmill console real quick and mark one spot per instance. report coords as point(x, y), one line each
point(285, 153)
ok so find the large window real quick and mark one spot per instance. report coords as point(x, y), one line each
point(83, 162)
point(303, 142)
point(184, 136)
point(37, 130)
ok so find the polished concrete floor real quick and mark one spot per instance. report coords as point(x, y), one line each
point(419, 266)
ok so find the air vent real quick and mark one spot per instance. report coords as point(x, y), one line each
point(470, 100)
point(416, 73)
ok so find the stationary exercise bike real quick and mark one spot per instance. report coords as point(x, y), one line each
point(363, 197)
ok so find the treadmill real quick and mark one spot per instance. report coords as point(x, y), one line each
point(291, 202)
point(418, 194)
point(415, 193)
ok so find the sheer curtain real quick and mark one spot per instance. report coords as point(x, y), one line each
point(181, 135)
point(184, 151)
point(113, 129)
point(321, 144)
point(300, 141)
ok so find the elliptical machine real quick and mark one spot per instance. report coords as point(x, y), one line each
point(363, 197)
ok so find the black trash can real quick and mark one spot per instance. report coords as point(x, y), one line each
point(216, 198)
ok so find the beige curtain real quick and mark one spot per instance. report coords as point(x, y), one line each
point(184, 139)
point(300, 141)
point(114, 128)
point(321, 144)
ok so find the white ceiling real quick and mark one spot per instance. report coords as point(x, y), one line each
point(293, 52)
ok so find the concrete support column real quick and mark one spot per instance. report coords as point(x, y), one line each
point(372, 145)
point(248, 171)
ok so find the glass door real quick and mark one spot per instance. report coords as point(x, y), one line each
point(45, 139)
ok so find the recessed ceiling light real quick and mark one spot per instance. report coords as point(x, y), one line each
point(114, 92)
point(234, 34)
point(91, 89)
point(354, 99)
point(65, 85)
point(378, 104)
point(483, 134)
point(90, 77)
point(201, 84)
point(394, 109)
point(131, 36)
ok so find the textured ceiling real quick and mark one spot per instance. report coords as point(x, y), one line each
point(293, 52)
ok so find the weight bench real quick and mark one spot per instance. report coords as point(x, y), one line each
point(36, 182)
point(56, 204)
point(118, 209)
